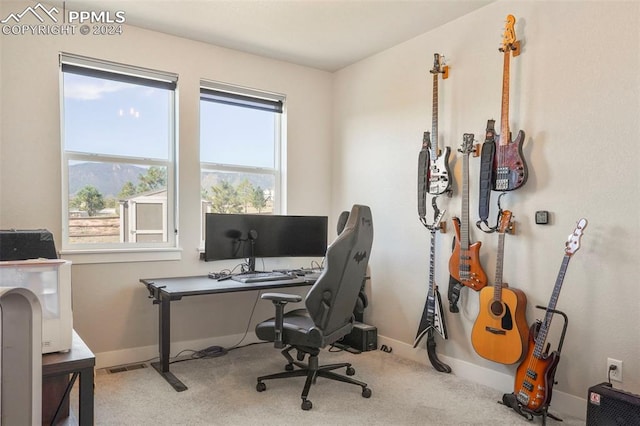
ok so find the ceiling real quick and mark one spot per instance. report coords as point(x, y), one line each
point(323, 34)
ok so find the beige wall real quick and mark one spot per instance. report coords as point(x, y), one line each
point(111, 309)
point(575, 91)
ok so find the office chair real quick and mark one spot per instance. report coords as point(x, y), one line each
point(329, 309)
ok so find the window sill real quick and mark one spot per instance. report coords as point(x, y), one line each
point(84, 257)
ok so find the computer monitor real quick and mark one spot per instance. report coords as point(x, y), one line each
point(239, 236)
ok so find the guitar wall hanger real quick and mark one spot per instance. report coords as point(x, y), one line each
point(442, 69)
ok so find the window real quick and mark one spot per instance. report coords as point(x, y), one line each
point(118, 154)
point(240, 144)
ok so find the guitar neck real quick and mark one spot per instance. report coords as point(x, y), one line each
point(464, 220)
point(544, 328)
point(504, 116)
point(432, 267)
point(434, 119)
point(497, 287)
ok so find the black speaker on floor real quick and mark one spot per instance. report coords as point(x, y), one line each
point(363, 337)
point(608, 406)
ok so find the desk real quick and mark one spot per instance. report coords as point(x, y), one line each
point(165, 290)
point(79, 361)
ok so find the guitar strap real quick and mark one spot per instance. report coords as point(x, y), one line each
point(486, 176)
point(454, 294)
point(423, 176)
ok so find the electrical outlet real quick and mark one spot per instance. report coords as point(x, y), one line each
point(617, 373)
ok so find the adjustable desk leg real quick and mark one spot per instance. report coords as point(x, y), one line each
point(164, 339)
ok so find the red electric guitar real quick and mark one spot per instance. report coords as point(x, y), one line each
point(464, 264)
point(535, 375)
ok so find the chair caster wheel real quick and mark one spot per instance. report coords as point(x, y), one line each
point(366, 393)
point(306, 405)
point(351, 371)
point(261, 387)
point(288, 367)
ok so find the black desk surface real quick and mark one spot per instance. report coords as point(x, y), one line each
point(192, 286)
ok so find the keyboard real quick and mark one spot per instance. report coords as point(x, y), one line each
point(257, 277)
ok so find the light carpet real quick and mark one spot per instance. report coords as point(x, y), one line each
point(222, 391)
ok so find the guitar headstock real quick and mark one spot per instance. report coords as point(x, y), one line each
point(573, 242)
point(509, 41)
point(467, 146)
point(439, 66)
point(505, 224)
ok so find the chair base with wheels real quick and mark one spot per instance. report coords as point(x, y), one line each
point(311, 370)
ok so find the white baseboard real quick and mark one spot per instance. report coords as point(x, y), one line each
point(150, 353)
point(563, 403)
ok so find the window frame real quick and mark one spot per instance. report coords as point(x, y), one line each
point(166, 250)
point(266, 101)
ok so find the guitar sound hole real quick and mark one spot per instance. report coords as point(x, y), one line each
point(496, 308)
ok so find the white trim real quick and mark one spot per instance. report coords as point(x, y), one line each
point(144, 353)
point(80, 257)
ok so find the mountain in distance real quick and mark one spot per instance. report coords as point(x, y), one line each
point(108, 178)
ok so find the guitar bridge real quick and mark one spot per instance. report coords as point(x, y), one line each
point(523, 398)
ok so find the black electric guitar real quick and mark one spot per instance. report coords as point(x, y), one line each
point(432, 316)
point(437, 178)
point(500, 332)
point(509, 168)
point(535, 375)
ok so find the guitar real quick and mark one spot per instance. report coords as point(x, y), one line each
point(535, 375)
point(438, 171)
point(432, 316)
point(464, 264)
point(500, 332)
point(509, 168)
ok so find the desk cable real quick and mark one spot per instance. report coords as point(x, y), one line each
point(216, 351)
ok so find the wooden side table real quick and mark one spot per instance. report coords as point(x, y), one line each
point(79, 362)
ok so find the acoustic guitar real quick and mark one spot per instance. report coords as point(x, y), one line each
point(500, 332)
point(535, 375)
point(509, 168)
point(464, 264)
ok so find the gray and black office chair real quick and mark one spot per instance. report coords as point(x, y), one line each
point(329, 309)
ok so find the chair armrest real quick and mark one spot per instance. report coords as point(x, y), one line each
point(279, 300)
point(281, 297)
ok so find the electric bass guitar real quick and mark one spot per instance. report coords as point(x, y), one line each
point(500, 332)
point(509, 168)
point(438, 172)
point(432, 320)
point(535, 375)
point(464, 264)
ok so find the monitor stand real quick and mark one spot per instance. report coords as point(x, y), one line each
point(253, 236)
